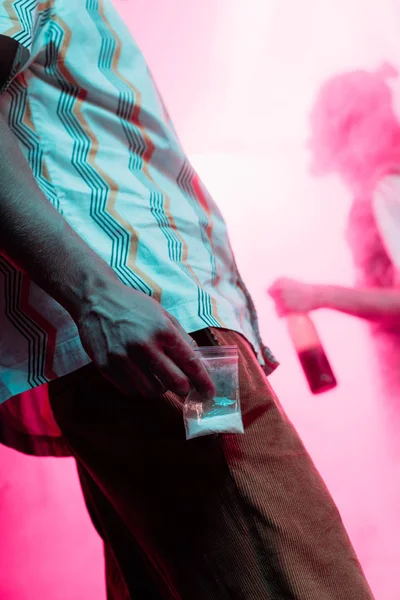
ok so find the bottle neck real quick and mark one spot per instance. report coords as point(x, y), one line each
point(302, 331)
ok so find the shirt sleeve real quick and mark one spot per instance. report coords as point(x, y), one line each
point(387, 214)
point(21, 21)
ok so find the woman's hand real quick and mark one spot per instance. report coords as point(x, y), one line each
point(292, 296)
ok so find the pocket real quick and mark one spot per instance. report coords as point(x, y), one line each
point(206, 337)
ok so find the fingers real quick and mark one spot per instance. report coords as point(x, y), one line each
point(189, 362)
point(276, 288)
point(146, 382)
point(191, 365)
point(170, 374)
point(275, 291)
point(271, 289)
point(183, 333)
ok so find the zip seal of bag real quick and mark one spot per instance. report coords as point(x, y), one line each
point(222, 414)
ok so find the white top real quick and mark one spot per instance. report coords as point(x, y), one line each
point(386, 205)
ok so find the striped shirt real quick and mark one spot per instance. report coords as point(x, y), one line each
point(86, 113)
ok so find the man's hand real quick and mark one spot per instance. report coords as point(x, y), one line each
point(139, 346)
point(292, 296)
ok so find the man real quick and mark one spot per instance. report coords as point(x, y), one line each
point(113, 253)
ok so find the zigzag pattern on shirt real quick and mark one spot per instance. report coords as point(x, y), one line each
point(34, 335)
point(22, 14)
point(103, 189)
point(40, 333)
point(20, 123)
point(141, 149)
point(188, 182)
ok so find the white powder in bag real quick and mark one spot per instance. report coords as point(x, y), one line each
point(230, 423)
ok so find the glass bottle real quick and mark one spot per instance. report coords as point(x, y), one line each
point(311, 353)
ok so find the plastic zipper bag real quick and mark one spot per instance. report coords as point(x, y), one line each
point(222, 414)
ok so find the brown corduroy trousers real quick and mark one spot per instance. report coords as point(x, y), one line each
point(241, 517)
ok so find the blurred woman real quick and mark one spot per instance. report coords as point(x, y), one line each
point(356, 134)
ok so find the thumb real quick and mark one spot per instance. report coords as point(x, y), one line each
point(273, 291)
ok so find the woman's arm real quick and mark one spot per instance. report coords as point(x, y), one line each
point(373, 304)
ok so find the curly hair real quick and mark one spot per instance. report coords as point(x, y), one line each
point(351, 117)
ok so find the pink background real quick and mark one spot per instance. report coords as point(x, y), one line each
point(239, 77)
